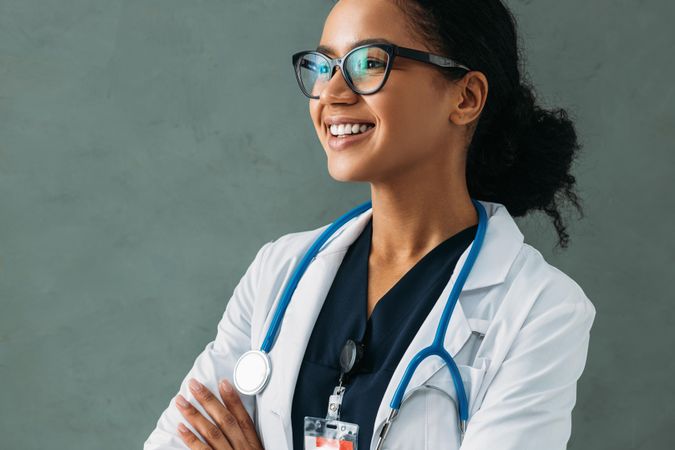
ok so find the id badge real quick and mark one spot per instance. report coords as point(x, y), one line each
point(330, 434)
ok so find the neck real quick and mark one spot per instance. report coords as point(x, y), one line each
point(411, 218)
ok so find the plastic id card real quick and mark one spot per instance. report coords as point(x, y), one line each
point(327, 434)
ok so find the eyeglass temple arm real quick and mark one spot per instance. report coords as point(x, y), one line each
point(437, 60)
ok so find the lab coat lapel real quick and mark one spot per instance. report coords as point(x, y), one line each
point(501, 245)
point(296, 328)
point(502, 242)
point(457, 334)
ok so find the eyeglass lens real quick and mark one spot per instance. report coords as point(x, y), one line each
point(365, 68)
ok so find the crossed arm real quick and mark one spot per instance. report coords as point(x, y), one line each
point(221, 418)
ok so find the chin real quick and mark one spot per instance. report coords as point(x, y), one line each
point(346, 172)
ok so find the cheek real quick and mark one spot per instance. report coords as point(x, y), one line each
point(405, 125)
point(406, 104)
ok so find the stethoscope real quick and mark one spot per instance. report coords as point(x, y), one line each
point(253, 369)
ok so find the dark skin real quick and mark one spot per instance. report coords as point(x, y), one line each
point(415, 158)
point(415, 162)
point(233, 428)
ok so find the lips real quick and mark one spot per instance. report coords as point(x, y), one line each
point(345, 142)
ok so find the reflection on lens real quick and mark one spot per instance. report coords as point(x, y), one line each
point(314, 73)
point(366, 68)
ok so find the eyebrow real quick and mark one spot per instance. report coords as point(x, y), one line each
point(327, 49)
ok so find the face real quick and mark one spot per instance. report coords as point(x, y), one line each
point(420, 118)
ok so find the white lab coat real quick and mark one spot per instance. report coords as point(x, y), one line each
point(519, 334)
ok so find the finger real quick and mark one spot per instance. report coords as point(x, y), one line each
point(190, 439)
point(209, 431)
point(227, 422)
point(234, 404)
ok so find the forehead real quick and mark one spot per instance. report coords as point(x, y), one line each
point(351, 23)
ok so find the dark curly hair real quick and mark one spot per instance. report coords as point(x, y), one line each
point(520, 154)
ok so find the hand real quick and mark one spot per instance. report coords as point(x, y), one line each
point(234, 429)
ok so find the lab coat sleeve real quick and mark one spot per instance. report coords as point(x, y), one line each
point(216, 361)
point(529, 403)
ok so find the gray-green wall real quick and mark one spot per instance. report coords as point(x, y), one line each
point(149, 148)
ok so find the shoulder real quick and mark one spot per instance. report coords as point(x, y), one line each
point(273, 265)
point(276, 259)
point(549, 290)
point(288, 247)
point(537, 314)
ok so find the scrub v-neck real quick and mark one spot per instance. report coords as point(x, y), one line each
point(387, 333)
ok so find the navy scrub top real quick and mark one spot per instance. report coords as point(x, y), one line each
point(387, 333)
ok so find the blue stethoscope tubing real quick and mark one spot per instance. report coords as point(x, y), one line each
point(300, 270)
point(435, 349)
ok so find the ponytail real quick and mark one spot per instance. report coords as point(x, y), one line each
point(520, 154)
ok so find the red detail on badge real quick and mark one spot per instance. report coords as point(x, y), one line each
point(322, 442)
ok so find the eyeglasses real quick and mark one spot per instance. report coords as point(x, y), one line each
point(364, 68)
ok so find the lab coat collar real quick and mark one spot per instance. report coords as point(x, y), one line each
point(502, 242)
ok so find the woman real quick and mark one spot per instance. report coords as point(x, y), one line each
point(428, 139)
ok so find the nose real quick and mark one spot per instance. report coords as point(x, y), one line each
point(336, 89)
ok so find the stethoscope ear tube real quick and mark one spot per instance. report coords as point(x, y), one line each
point(300, 270)
point(385, 429)
point(437, 348)
point(254, 368)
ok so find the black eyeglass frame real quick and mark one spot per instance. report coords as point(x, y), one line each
point(391, 49)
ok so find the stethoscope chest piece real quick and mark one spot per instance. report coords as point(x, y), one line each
point(252, 372)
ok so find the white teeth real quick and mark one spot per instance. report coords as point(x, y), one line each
point(348, 128)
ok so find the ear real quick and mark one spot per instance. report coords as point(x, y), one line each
point(468, 98)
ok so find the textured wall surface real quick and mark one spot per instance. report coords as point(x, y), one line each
point(149, 148)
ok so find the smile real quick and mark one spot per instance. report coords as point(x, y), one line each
point(343, 141)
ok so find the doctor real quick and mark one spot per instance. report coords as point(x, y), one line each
point(449, 166)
